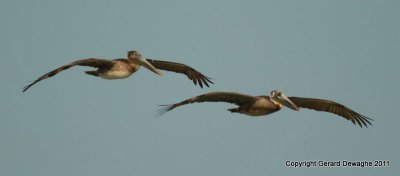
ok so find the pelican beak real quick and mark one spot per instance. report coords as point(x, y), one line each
point(286, 102)
point(146, 64)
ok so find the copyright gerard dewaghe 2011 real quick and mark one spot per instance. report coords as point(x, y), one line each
point(337, 163)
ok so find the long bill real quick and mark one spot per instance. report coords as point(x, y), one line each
point(286, 102)
point(146, 64)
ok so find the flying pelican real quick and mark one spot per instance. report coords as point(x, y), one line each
point(264, 105)
point(123, 68)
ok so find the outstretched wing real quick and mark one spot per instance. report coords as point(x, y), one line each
point(190, 72)
point(332, 107)
point(92, 62)
point(229, 97)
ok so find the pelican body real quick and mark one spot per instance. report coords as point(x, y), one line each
point(123, 68)
point(264, 105)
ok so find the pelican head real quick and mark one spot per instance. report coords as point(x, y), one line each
point(281, 98)
point(137, 58)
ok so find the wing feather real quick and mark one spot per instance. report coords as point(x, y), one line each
point(91, 62)
point(190, 72)
point(332, 107)
point(228, 97)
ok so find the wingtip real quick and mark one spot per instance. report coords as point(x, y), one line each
point(206, 80)
point(25, 88)
point(163, 110)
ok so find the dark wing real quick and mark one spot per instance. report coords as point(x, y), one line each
point(332, 107)
point(190, 72)
point(229, 97)
point(84, 62)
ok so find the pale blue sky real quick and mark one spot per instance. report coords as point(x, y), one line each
point(75, 124)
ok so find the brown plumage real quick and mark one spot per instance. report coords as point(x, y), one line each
point(92, 62)
point(332, 107)
point(264, 105)
point(123, 68)
point(190, 72)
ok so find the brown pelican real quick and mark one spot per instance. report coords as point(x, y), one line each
point(264, 105)
point(123, 68)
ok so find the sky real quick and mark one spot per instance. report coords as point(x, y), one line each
point(76, 124)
